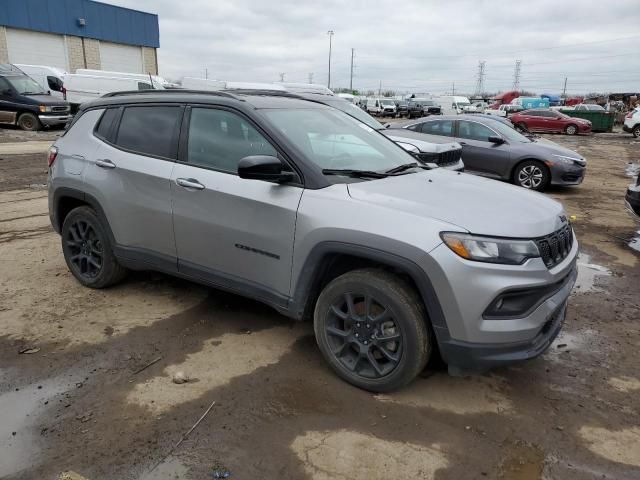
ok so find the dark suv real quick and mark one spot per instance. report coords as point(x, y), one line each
point(24, 103)
point(420, 107)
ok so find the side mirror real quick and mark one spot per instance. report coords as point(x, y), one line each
point(263, 167)
point(496, 139)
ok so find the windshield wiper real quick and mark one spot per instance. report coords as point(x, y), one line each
point(354, 173)
point(406, 166)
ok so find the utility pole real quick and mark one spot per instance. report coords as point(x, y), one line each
point(480, 82)
point(282, 77)
point(380, 89)
point(564, 89)
point(310, 77)
point(351, 77)
point(516, 75)
point(330, 33)
point(206, 73)
point(453, 88)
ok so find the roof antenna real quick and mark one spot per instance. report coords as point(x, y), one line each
point(151, 78)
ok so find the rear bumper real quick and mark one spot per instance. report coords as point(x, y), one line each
point(50, 120)
point(628, 128)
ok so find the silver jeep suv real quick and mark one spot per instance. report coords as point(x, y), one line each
point(302, 207)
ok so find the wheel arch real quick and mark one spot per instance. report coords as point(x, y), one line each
point(66, 199)
point(330, 259)
point(515, 167)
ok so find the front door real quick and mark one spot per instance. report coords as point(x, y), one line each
point(231, 231)
point(478, 153)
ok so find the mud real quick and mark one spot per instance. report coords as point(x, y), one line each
point(573, 413)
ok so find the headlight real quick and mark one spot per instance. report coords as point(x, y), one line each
point(44, 108)
point(491, 250)
point(569, 160)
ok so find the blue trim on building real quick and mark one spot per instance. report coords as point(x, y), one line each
point(102, 21)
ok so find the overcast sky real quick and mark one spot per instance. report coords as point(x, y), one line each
point(408, 45)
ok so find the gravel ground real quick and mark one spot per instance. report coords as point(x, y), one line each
point(79, 398)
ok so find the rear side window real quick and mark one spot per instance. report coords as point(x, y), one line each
point(440, 127)
point(149, 130)
point(106, 121)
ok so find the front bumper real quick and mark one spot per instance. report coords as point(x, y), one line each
point(632, 199)
point(567, 174)
point(465, 289)
point(50, 120)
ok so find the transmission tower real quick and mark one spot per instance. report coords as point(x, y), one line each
point(516, 75)
point(481, 74)
point(282, 77)
point(310, 77)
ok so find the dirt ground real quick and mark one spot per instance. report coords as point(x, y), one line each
point(75, 394)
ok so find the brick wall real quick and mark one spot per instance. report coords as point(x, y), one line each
point(149, 60)
point(75, 53)
point(92, 53)
point(4, 50)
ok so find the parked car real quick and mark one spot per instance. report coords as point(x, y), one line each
point(295, 204)
point(402, 108)
point(422, 107)
point(504, 110)
point(23, 102)
point(84, 88)
point(49, 78)
point(632, 199)
point(492, 149)
point(632, 122)
point(383, 107)
point(588, 107)
point(433, 152)
point(549, 121)
point(455, 105)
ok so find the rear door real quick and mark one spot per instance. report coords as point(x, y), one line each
point(229, 230)
point(478, 153)
point(130, 176)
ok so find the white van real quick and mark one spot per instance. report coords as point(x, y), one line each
point(84, 88)
point(49, 78)
point(385, 107)
point(157, 80)
point(454, 105)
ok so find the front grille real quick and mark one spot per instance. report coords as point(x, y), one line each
point(434, 110)
point(62, 108)
point(441, 159)
point(554, 248)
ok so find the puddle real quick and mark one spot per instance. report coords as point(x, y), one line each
point(588, 273)
point(635, 242)
point(587, 340)
point(19, 412)
point(524, 462)
point(170, 469)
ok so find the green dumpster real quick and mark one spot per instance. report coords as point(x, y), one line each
point(600, 121)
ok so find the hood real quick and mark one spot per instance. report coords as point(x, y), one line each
point(545, 148)
point(44, 99)
point(424, 142)
point(478, 205)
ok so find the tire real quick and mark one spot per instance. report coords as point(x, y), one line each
point(29, 122)
point(636, 131)
point(571, 129)
point(521, 127)
point(349, 338)
point(88, 251)
point(532, 175)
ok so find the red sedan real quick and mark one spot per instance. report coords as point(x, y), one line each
point(549, 121)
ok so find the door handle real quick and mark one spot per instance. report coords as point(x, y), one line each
point(105, 163)
point(190, 183)
point(77, 157)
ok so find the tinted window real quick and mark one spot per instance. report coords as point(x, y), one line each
point(549, 114)
point(440, 127)
point(149, 130)
point(532, 113)
point(104, 125)
point(219, 139)
point(474, 131)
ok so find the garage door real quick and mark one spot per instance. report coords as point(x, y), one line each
point(35, 48)
point(120, 58)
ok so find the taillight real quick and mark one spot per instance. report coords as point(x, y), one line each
point(53, 153)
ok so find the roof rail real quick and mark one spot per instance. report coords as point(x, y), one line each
point(263, 92)
point(173, 91)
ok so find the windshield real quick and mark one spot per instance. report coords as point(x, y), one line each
point(387, 102)
point(333, 140)
point(24, 85)
point(358, 113)
point(463, 104)
point(508, 133)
